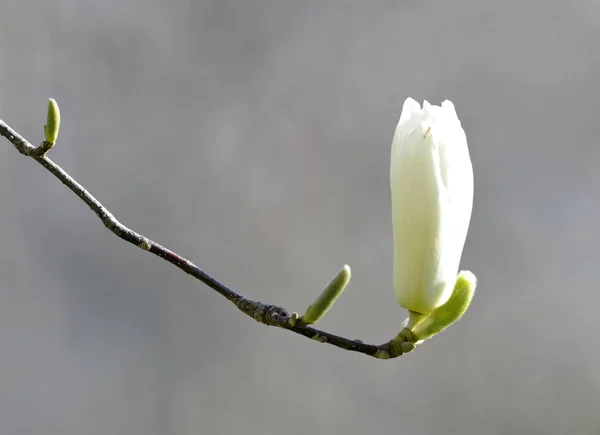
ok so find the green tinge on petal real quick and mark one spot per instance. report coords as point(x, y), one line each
point(52, 122)
point(452, 310)
point(414, 319)
point(327, 297)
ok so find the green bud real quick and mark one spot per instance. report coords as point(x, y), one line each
point(52, 122)
point(327, 297)
point(293, 319)
point(382, 354)
point(451, 311)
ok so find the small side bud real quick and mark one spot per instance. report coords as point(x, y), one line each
point(52, 122)
point(451, 311)
point(293, 319)
point(382, 354)
point(327, 297)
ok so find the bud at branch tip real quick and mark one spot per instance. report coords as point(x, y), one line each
point(52, 122)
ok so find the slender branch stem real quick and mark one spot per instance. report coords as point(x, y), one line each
point(267, 314)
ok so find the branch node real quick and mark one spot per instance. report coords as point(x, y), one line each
point(276, 316)
point(41, 150)
point(145, 245)
point(109, 220)
point(292, 320)
point(320, 338)
point(382, 354)
point(407, 335)
point(247, 306)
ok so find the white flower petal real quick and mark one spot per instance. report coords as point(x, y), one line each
point(410, 107)
point(431, 180)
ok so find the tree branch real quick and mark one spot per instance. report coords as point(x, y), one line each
point(267, 314)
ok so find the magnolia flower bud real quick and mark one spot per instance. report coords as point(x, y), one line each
point(431, 180)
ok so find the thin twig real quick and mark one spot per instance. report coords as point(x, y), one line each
point(267, 314)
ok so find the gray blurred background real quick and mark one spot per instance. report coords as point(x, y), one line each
point(253, 137)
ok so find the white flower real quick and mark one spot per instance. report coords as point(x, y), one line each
point(431, 180)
